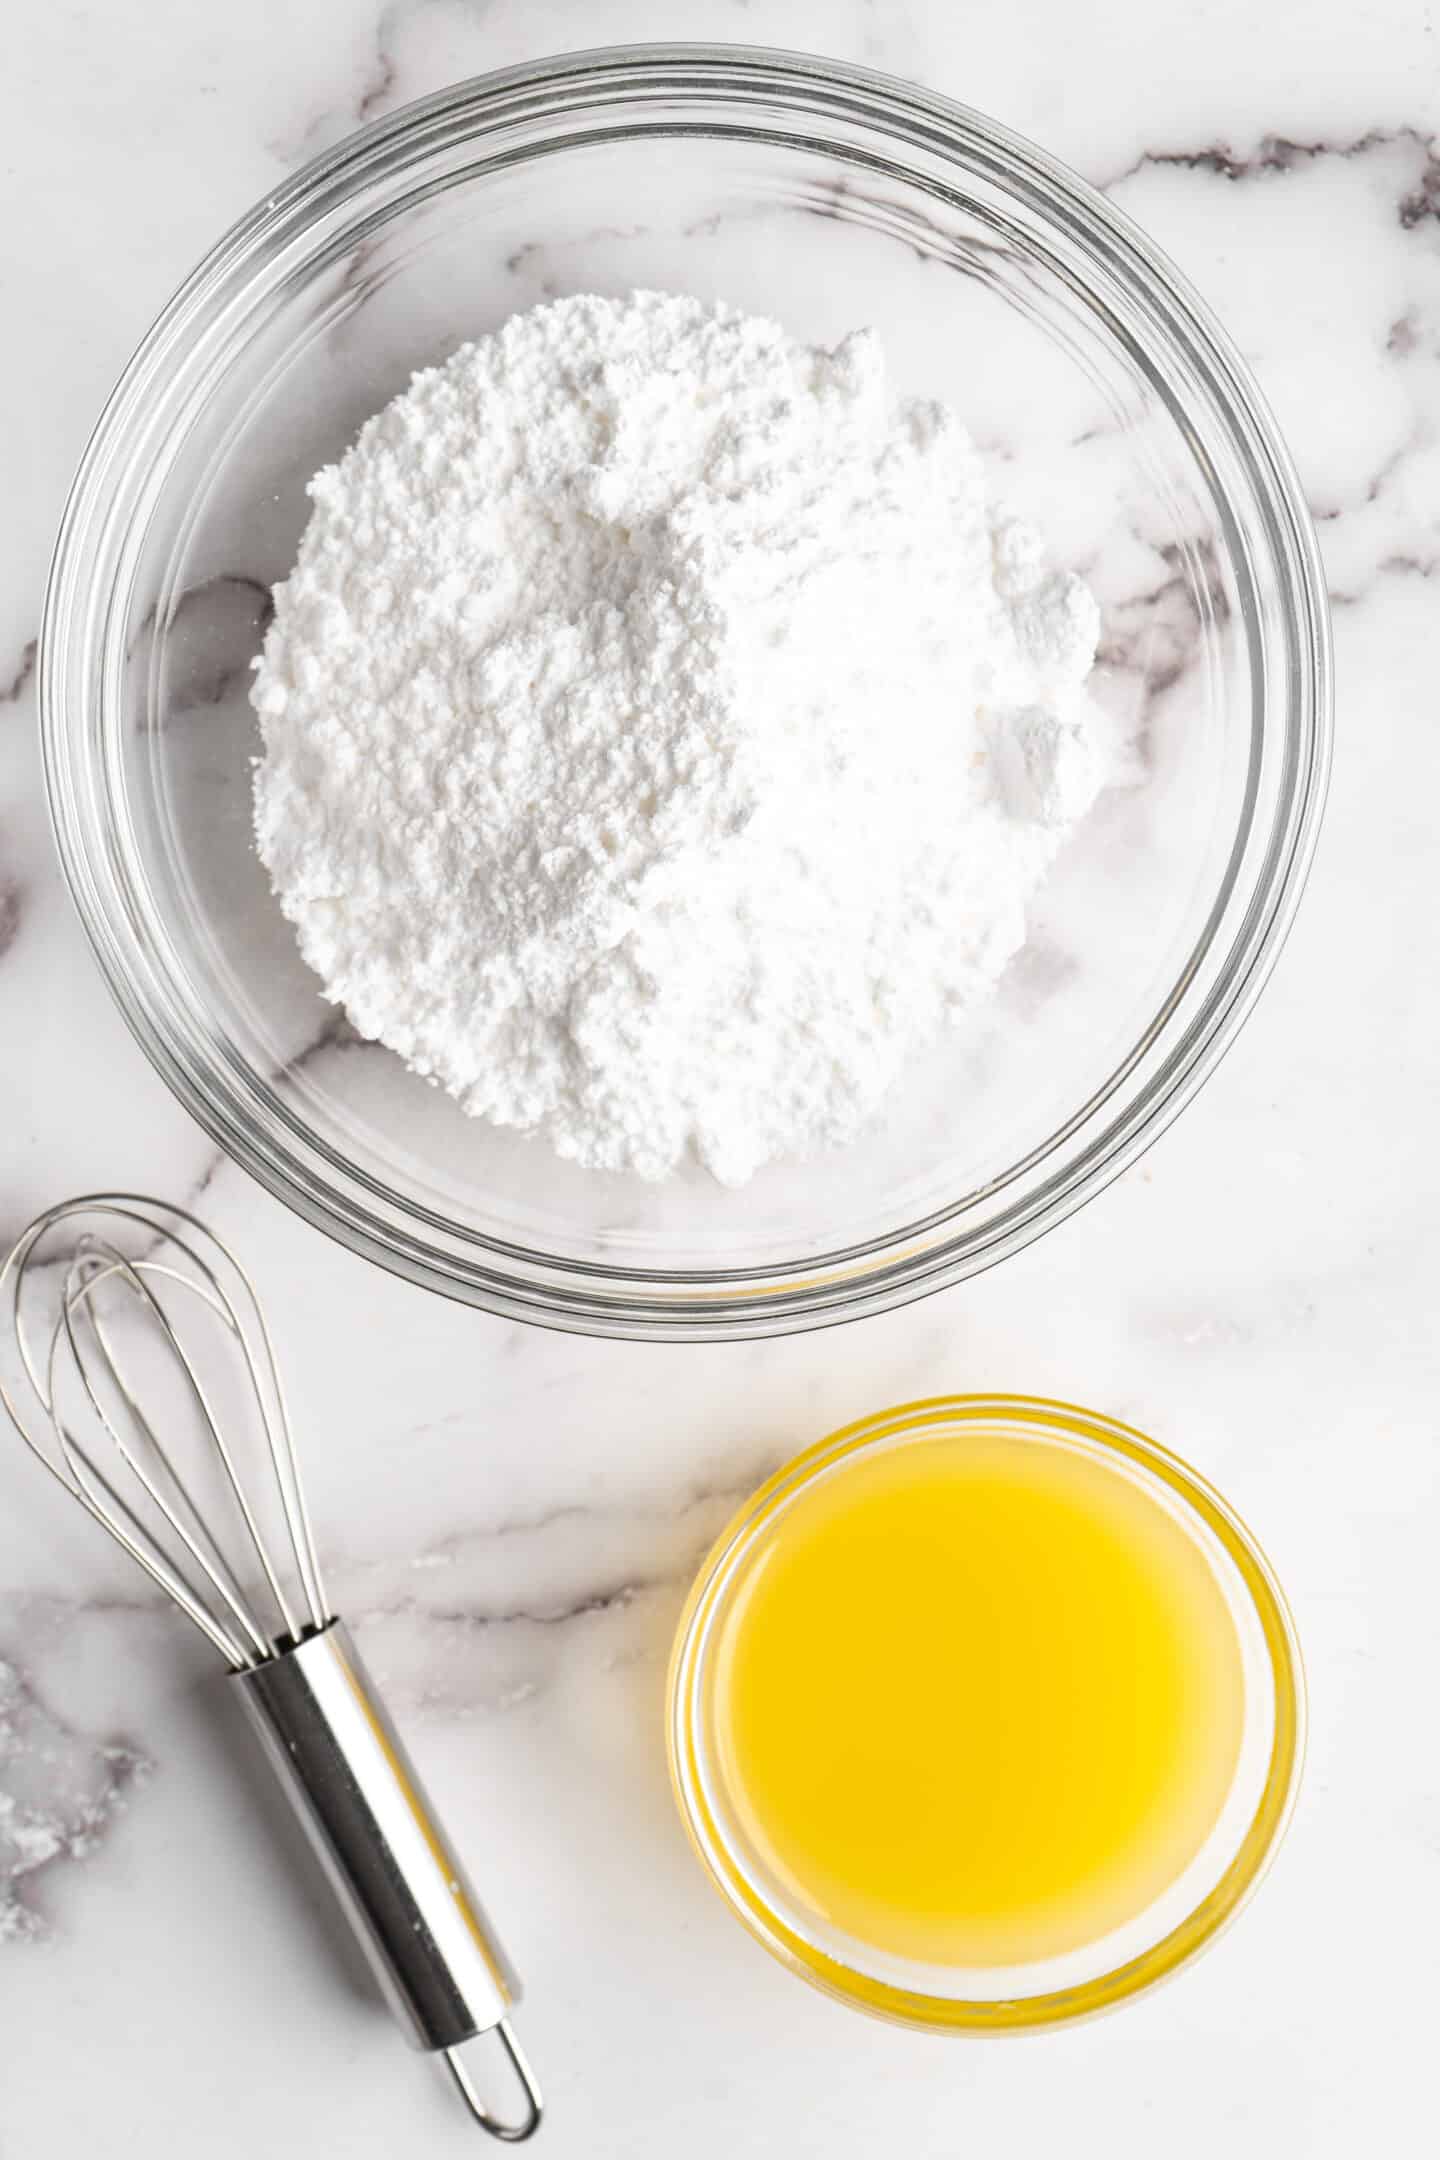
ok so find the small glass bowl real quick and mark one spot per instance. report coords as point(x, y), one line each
point(1110, 408)
point(1182, 1922)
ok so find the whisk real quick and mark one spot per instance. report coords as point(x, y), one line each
point(156, 1343)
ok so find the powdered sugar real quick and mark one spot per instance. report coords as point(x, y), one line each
point(662, 734)
point(58, 1793)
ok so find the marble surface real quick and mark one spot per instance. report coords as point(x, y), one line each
point(510, 1517)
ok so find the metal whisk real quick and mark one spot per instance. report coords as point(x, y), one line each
point(134, 1350)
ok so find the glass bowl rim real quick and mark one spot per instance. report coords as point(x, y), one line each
point(341, 1197)
point(1184, 1941)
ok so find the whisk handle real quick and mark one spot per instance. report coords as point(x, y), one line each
point(353, 1787)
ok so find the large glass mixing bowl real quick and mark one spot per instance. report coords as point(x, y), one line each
point(1111, 409)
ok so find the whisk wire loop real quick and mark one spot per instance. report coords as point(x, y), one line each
point(115, 1515)
point(179, 1510)
point(187, 1558)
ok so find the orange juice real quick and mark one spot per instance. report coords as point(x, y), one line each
point(979, 1698)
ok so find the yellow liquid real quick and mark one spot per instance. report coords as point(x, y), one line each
point(978, 1700)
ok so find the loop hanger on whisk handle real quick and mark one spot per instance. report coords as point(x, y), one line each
point(88, 1416)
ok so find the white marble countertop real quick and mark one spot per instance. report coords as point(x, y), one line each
point(510, 1516)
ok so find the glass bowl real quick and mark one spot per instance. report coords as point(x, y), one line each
point(1181, 1921)
point(1110, 408)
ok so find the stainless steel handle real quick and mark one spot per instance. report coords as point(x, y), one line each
point(353, 1787)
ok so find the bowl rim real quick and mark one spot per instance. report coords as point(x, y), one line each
point(1215, 1912)
point(337, 1195)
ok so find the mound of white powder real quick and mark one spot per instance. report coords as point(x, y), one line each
point(662, 733)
